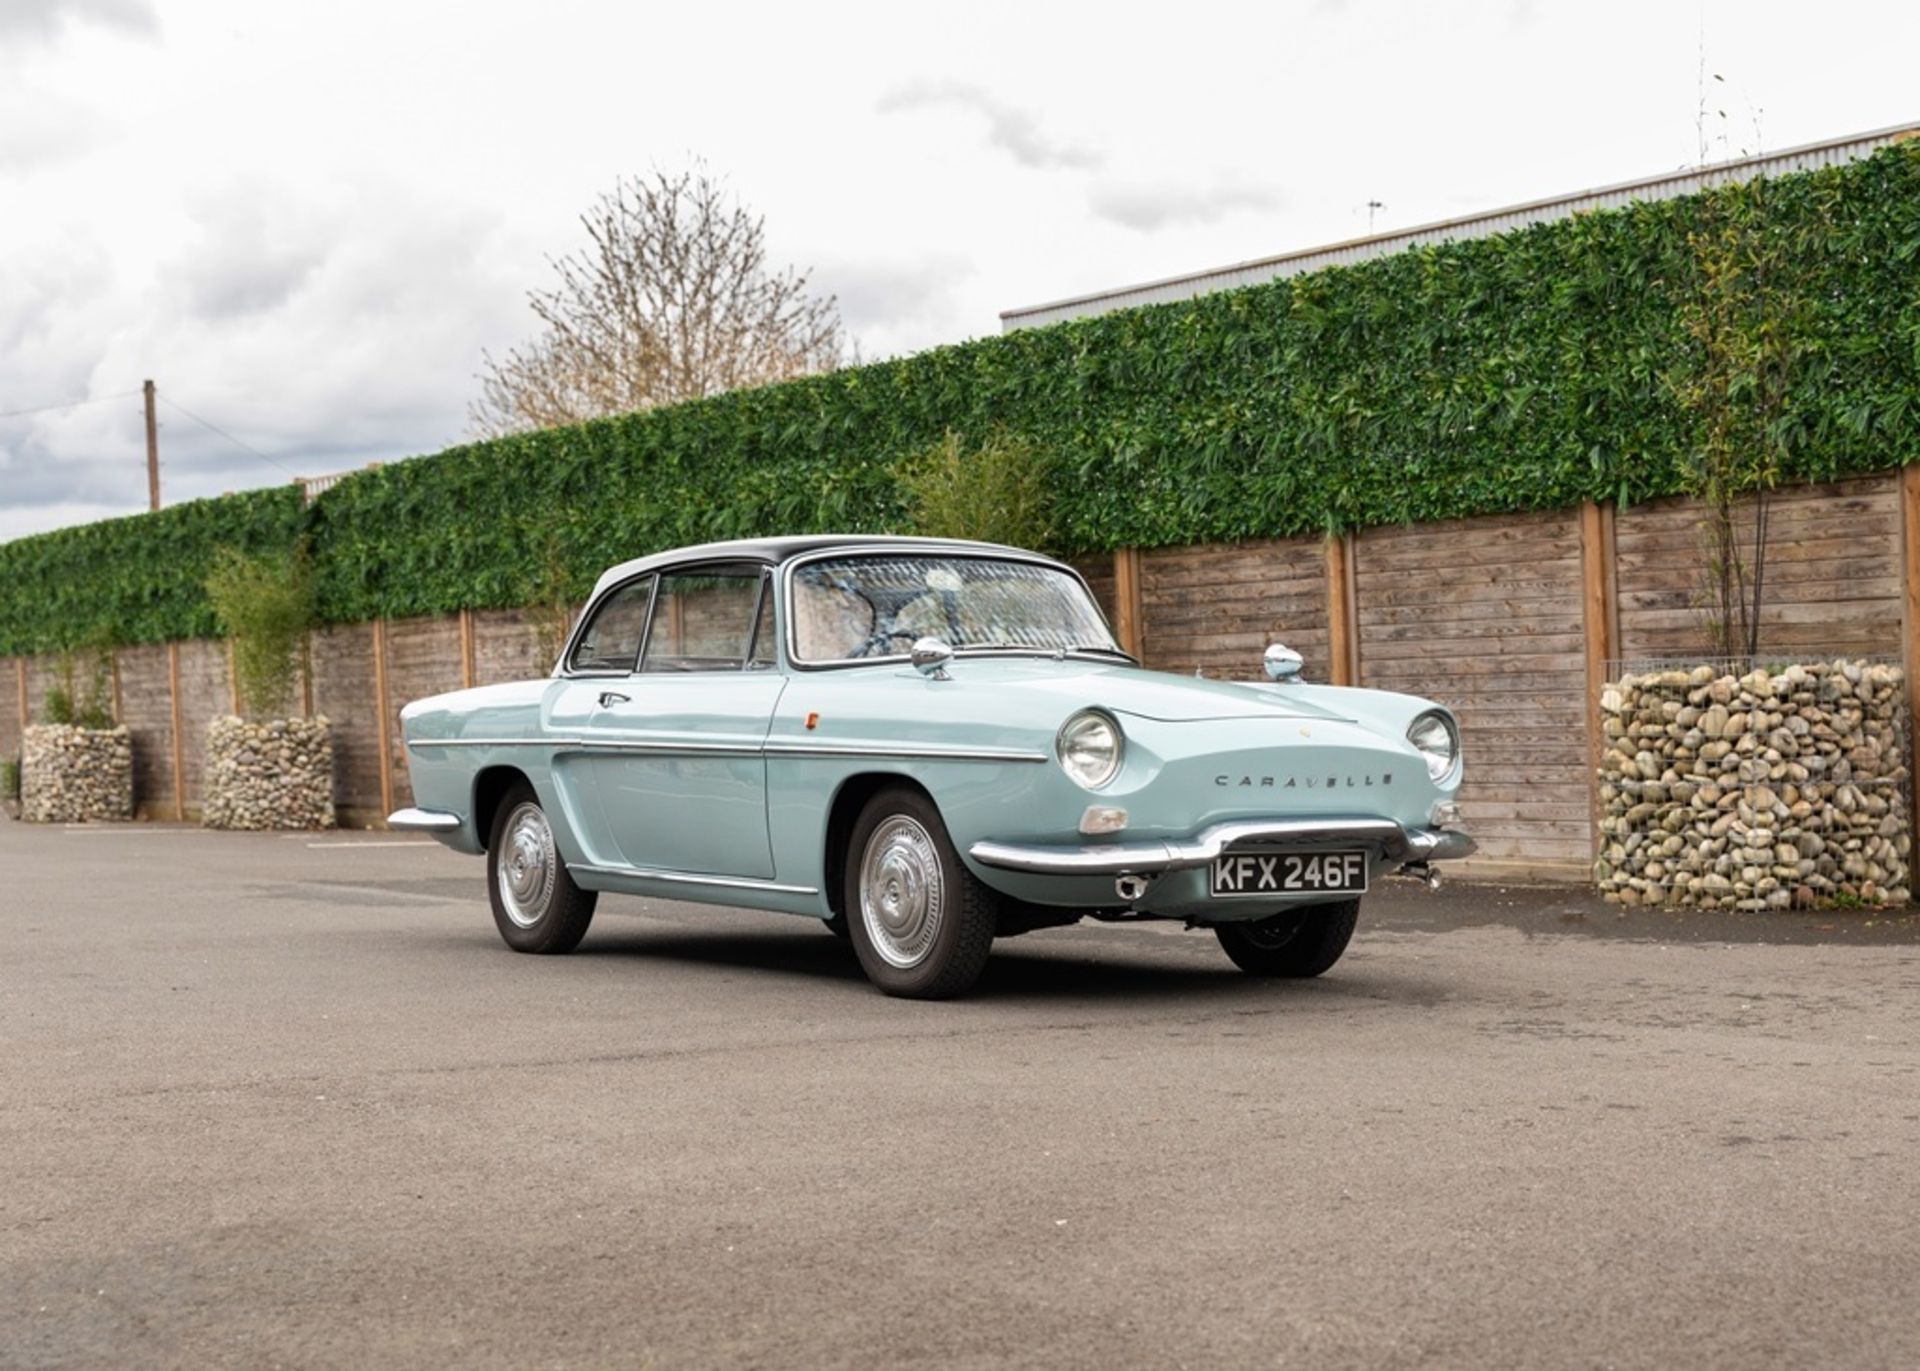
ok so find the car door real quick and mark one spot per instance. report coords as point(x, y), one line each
point(678, 748)
point(599, 667)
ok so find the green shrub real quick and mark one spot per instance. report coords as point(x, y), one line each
point(57, 708)
point(551, 596)
point(264, 603)
point(87, 704)
point(998, 491)
point(9, 778)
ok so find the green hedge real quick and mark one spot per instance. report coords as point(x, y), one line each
point(1526, 371)
point(138, 579)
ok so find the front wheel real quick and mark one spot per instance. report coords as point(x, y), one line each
point(921, 923)
point(1300, 943)
point(536, 905)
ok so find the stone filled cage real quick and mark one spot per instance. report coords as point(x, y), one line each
point(1762, 783)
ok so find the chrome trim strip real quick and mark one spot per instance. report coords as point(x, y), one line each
point(1395, 843)
point(776, 748)
point(685, 878)
point(655, 749)
point(484, 742)
point(424, 821)
point(988, 552)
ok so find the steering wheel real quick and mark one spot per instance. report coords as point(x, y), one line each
point(878, 641)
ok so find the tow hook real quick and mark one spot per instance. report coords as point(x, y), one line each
point(1132, 888)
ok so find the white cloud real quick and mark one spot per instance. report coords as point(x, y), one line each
point(19, 521)
point(1151, 206)
point(889, 305)
point(1013, 130)
point(44, 20)
point(40, 128)
point(320, 334)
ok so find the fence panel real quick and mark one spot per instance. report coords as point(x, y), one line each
point(1216, 607)
point(1484, 615)
point(1833, 574)
point(146, 708)
point(423, 658)
point(343, 691)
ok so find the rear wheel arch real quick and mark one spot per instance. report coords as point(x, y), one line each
point(490, 787)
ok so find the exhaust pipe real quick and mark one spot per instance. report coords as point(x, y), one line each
point(1131, 888)
point(1423, 871)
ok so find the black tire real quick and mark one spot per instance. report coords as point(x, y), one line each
point(936, 946)
point(837, 926)
point(1298, 944)
point(539, 911)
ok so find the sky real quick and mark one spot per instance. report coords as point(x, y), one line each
point(307, 222)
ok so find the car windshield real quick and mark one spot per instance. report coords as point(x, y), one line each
point(876, 606)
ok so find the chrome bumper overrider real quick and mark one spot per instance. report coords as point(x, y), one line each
point(423, 821)
point(1394, 844)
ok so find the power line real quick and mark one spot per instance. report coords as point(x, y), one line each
point(70, 404)
point(211, 427)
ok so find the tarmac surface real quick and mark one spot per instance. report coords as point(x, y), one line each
point(272, 1100)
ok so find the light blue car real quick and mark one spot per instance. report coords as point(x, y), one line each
point(925, 744)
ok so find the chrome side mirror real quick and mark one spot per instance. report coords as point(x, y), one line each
point(1282, 663)
point(930, 657)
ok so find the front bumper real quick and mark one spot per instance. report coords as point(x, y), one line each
point(1393, 844)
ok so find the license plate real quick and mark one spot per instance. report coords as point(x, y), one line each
point(1290, 873)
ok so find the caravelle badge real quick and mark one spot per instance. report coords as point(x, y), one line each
point(1353, 782)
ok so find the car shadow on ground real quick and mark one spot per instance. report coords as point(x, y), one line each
point(1013, 972)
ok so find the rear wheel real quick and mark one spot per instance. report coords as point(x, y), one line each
point(921, 923)
point(1299, 943)
point(536, 905)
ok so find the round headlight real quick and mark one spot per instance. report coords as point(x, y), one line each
point(1433, 736)
point(1090, 749)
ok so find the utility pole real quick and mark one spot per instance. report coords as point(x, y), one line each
point(153, 450)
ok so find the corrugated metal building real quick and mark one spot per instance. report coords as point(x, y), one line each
point(1805, 158)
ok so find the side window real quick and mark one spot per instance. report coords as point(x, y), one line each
point(611, 641)
point(766, 651)
point(703, 620)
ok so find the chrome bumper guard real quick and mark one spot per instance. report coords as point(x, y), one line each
point(423, 821)
point(1394, 843)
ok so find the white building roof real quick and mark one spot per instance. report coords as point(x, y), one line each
point(1665, 187)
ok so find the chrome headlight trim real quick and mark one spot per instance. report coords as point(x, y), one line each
point(1439, 749)
point(1090, 759)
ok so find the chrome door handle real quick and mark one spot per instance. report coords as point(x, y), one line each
point(609, 698)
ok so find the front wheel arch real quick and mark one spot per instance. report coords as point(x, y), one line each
point(921, 924)
point(842, 815)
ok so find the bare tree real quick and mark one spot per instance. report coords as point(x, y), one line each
point(671, 301)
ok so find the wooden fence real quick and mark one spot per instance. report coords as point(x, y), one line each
point(1512, 620)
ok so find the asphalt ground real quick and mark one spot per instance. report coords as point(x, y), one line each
point(288, 1101)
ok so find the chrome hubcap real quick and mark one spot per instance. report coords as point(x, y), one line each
point(901, 891)
point(527, 865)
